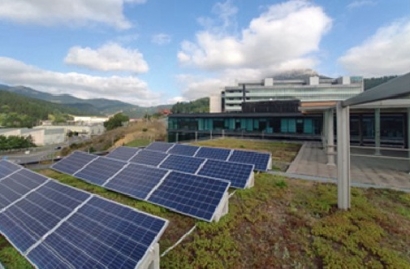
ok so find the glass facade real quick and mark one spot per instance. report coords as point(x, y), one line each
point(362, 127)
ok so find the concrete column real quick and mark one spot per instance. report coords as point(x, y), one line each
point(343, 157)
point(324, 130)
point(330, 138)
point(196, 136)
point(377, 131)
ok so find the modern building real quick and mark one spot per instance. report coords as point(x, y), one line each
point(289, 111)
point(311, 89)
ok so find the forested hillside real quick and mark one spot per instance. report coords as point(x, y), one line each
point(373, 82)
point(20, 111)
point(198, 106)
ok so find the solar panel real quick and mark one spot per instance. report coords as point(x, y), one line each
point(100, 170)
point(140, 181)
point(182, 163)
point(7, 168)
point(148, 157)
point(136, 180)
point(56, 226)
point(190, 194)
point(122, 153)
point(73, 163)
point(186, 150)
point(102, 234)
point(160, 146)
point(18, 184)
point(213, 153)
point(237, 173)
point(260, 160)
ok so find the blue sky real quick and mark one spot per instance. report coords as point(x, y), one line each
point(150, 52)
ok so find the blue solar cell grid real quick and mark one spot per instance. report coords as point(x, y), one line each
point(185, 150)
point(98, 171)
point(160, 146)
point(153, 158)
point(80, 231)
point(7, 168)
point(186, 194)
point(182, 163)
point(136, 180)
point(213, 153)
point(237, 173)
point(26, 221)
point(16, 185)
point(260, 160)
point(73, 163)
point(122, 153)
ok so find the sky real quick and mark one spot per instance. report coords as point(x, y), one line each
point(151, 52)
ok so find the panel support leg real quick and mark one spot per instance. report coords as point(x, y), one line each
point(343, 157)
point(324, 130)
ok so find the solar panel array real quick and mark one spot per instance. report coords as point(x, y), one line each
point(240, 175)
point(261, 161)
point(149, 183)
point(57, 226)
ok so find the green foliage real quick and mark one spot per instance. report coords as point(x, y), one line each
point(16, 142)
point(139, 143)
point(20, 111)
point(198, 106)
point(373, 82)
point(116, 121)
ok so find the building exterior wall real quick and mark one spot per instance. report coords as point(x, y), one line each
point(215, 104)
point(89, 120)
point(87, 130)
point(314, 89)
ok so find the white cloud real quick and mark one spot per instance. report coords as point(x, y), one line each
point(69, 12)
point(128, 89)
point(109, 57)
point(360, 3)
point(161, 39)
point(283, 35)
point(385, 53)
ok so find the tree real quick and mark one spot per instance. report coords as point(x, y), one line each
point(116, 121)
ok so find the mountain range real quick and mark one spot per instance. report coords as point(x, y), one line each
point(96, 106)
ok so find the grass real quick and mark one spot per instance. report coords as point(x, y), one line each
point(279, 223)
point(140, 142)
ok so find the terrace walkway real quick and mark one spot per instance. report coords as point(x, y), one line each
point(382, 172)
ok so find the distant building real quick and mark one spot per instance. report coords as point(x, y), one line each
point(87, 120)
point(83, 129)
point(40, 136)
point(312, 89)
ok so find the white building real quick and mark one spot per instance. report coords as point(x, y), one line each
point(40, 136)
point(85, 130)
point(312, 89)
point(89, 120)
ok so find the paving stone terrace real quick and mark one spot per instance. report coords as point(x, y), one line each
point(381, 171)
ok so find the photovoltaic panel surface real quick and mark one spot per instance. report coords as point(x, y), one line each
point(213, 153)
point(237, 173)
point(7, 168)
point(102, 234)
point(153, 158)
point(122, 153)
point(260, 160)
point(127, 181)
point(99, 170)
point(18, 184)
point(160, 146)
point(56, 226)
point(73, 162)
point(182, 163)
point(189, 195)
point(136, 180)
point(186, 150)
